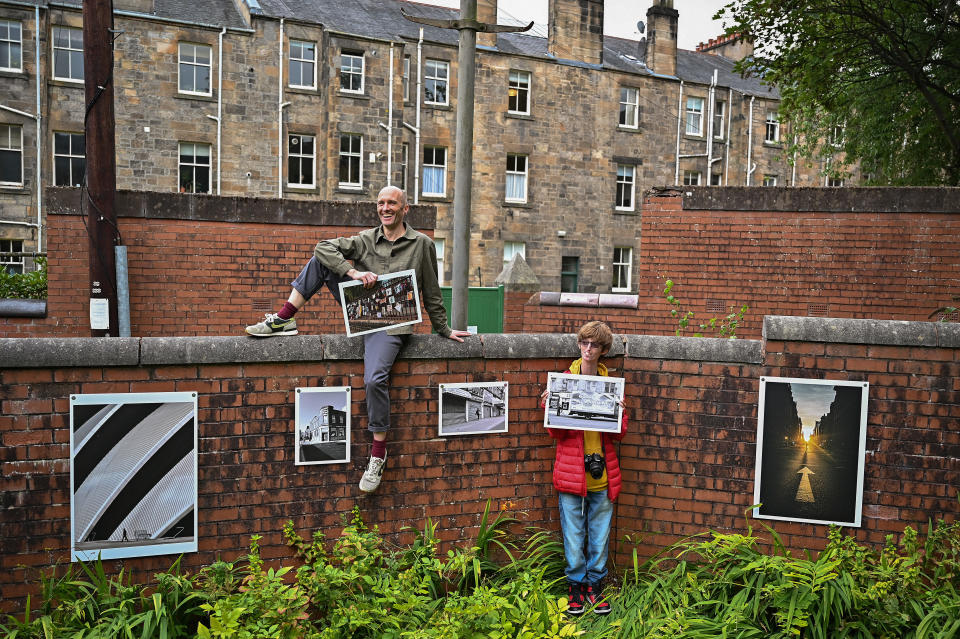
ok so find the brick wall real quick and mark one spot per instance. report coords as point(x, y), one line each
point(688, 459)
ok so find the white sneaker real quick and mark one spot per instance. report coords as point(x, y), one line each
point(373, 473)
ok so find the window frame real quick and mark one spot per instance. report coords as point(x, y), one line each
point(10, 44)
point(71, 158)
point(719, 116)
point(524, 175)
point(440, 247)
point(312, 156)
point(772, 124)
point(626, 106)
point(616, 269)
point(690, 112)
point(9, 245)
point(770, 180)
point(566, 272)
point(181, 63)
point(618, 200)
point(301, 62)
point(690, 173)
point(405, 83)
point(434, 165)
point(352, 72)
point(195, 164)
point(436, 79)
point(69, 50)
point(350, 153)
point(513, 246)
point(9, 146)
point(520, 88)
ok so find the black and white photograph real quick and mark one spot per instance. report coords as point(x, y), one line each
point(133, 475)
point(584, 402)
point(811, 440)
point(393, 300)
point(473, 408)
point(322, 418)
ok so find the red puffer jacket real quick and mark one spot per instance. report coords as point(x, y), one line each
point(569, 474)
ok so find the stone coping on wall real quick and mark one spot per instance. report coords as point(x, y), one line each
point(879, 199)
point(22, 308)
point(857, 331)
point(609, 300)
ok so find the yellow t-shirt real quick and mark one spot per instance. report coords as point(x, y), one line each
point(593, 443)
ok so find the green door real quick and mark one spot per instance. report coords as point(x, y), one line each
point(485, 307)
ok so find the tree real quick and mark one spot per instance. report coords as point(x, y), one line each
point(885, 73)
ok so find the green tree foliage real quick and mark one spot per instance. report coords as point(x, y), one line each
point(886, 72)
point(28, 286)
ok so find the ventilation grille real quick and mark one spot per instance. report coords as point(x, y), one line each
point(263, 305)
point(818, 310)
point(716, 306)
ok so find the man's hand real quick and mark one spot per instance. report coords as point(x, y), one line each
point(368, 278)
point(459, 335)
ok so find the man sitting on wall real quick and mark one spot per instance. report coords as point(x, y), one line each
point(392, 246)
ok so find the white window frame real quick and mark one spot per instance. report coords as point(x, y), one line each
point(512, 248)
point(350, 154)
point(70, 156)
point(694, 117)
point(770, 180)
point(519, 82)
point(12, 246)
point(433, 76)
point(629, 108)
point(406, 78)
point(517, 173)
point(312, 156)
point(439, 245)
point(691, 178)
point(719, 115)
point(835, 139)
point(302, 62)
point(628, 251)
point(352, 71)
point(771, 134)
point(9, 145)
point(833, 182)
point(195, 48)
point(70, 50)
point(8, 42)
point(196, 165)
point(623, 181)
point(433, 165)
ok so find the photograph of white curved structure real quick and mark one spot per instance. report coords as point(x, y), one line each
point(133, 474)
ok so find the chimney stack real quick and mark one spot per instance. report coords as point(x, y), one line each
point(576, 30)
point(662, 38)
point(733, 46)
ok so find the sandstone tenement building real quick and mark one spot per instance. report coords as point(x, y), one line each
point(331, 99)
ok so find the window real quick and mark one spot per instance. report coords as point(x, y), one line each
point(769, 180)
point(439, 245)
point(9, 263)
point(301, 160)
point(516, 178)
point(569, 272)
point(68, 54)
point(518, 92)
point(719, 110)
point(351, 72)
point(194, 168)
point(351, 161)
point(834, 181)
point(404, 163)
point(69, 159)
point(303, 64)
point(836, 136)
point(629, 107)
point(626, 174)
point(715, 179)
point(11, 155)
point(622, 267)
point(11, 46)
point(691, 178)
point(406, 78)
point(437, 75)
point(773, 127)
point(694, 116)
point(194, 69)
point(434, 171)
point(514, 248)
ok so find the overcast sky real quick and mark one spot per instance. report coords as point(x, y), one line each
point(620, 17)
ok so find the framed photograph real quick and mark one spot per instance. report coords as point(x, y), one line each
point(811, 440)
point(133, 475)
point(584, 402)
point(473, 408)
point(322, 419)
point(393, 300)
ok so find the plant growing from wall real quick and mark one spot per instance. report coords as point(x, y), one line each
point(25, 286)
point(945, 312)
point(723, 327)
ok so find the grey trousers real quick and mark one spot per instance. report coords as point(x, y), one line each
point(379, 349)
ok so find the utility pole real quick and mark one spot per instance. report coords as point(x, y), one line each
point(101, 178)
point(468, 26)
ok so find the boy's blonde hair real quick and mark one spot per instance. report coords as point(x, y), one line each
point(596, 332)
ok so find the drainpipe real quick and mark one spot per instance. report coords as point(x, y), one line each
point(390, 121)
point(36, 50)
point(416, 143)
point(726, 154)
point(676, 173)
point(219, 102)
point(280, 106)
point(750, 167)
point(711, 95)
point(793, 173)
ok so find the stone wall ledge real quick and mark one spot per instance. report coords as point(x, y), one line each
point(851, 331)
point(22, 308)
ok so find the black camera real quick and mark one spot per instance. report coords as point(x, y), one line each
point(594, 464)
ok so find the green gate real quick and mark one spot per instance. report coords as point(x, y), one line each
point(485, 307)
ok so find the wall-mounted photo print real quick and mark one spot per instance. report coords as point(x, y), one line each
point(393, 300)
point(133, 475)
point(322, 419)
point(473, 408)
point(811, 440)
point(584, 402)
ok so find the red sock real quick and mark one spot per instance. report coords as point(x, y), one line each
point(288, 311)
point(379, 449)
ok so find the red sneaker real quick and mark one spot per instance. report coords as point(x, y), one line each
point(595, 599)
point(575, 599)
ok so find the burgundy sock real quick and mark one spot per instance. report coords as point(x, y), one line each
point(379, 449)
point(288, 311)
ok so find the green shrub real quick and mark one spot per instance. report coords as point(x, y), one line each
point(26, 286)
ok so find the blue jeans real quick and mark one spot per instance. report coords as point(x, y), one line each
point(585, 523)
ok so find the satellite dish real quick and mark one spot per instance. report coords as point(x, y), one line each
point(641, 27)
